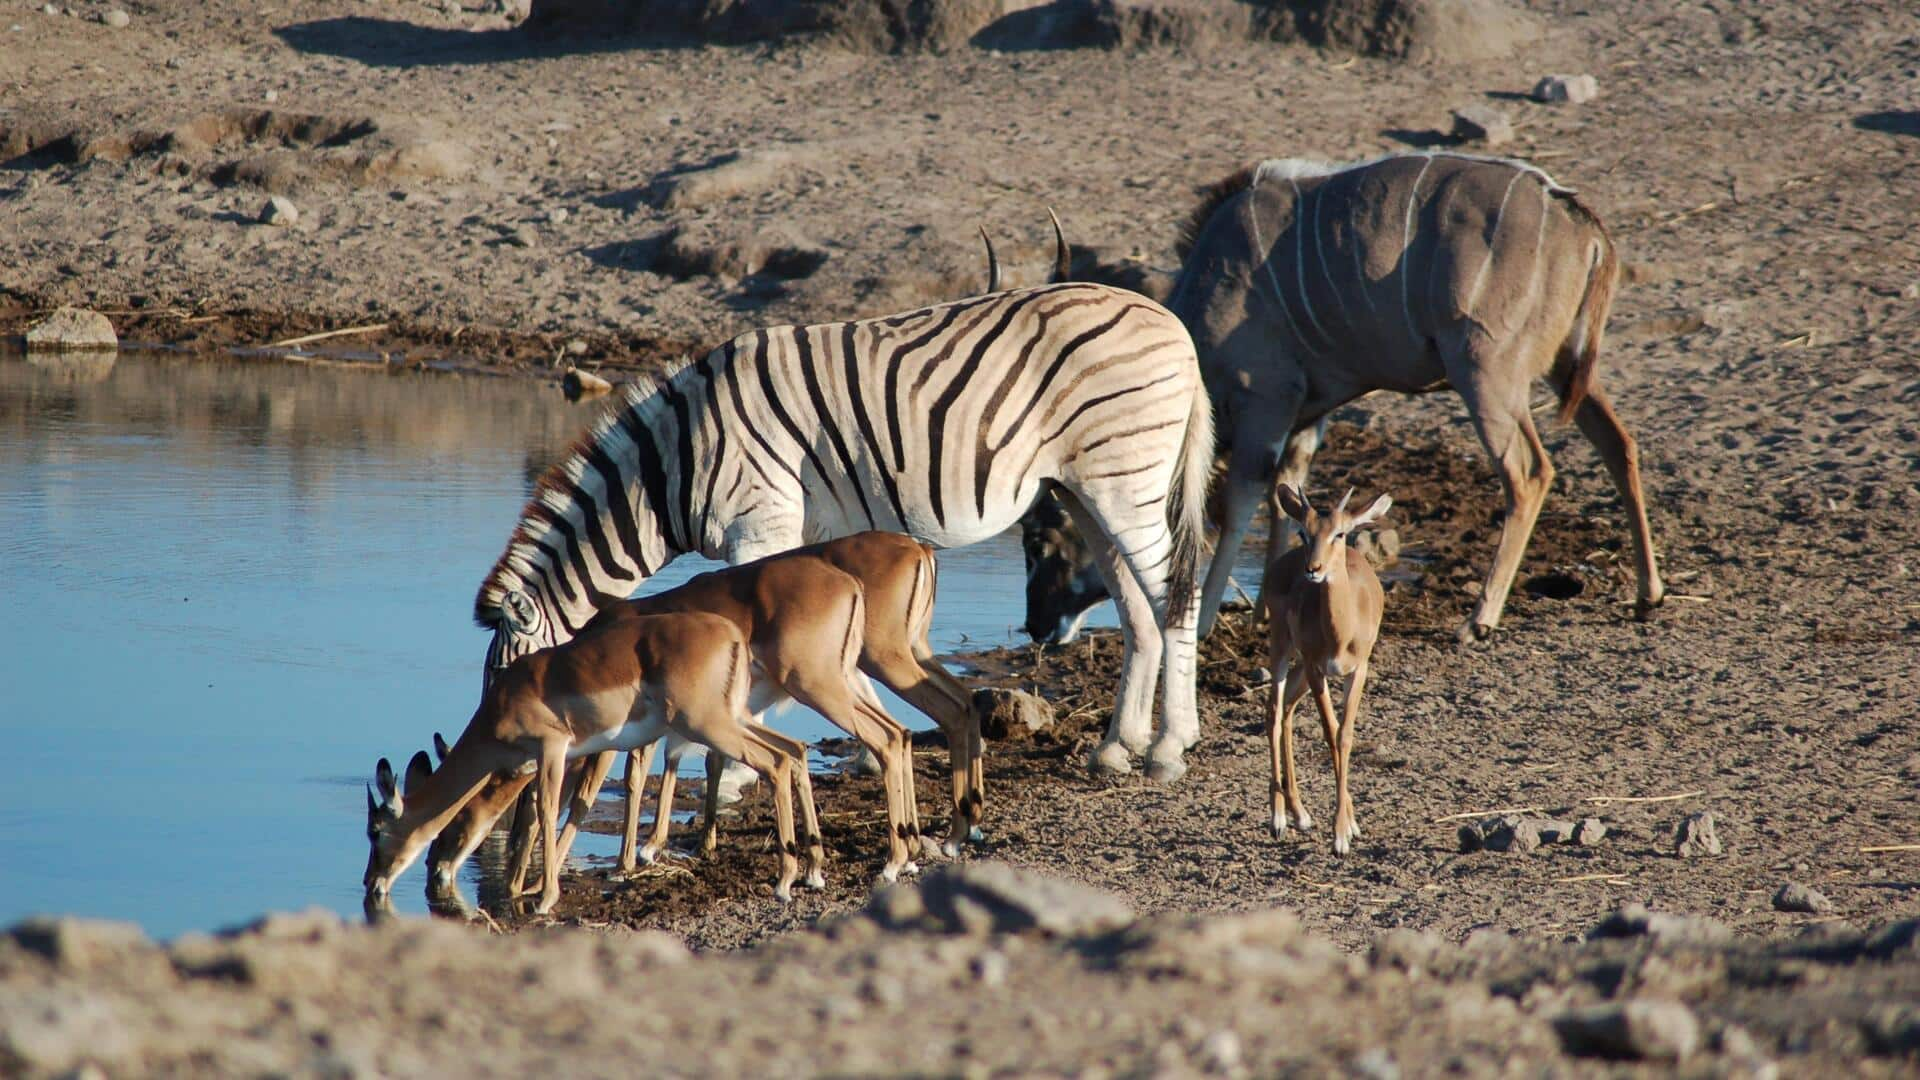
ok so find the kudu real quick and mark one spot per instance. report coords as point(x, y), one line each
point(1324, 606)
point(872, 593)
point(615, 686)
point(1306, 285)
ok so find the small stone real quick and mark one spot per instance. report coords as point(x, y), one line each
point(523, 236)
point(1482, 124)
point(1634, 920)
point(1381, 547)
point(577, 384)
point(279, 211)
point(1003, 713)
point(117, 19)
point(270, 96)
point(1220, 1052)
point(558, 215)
point(1695, 836)
point(1571, 89)
point(990, 968)
point(49, 9)
point(72, 328)
point(174, 63)
point(864, 763)
point(1473, 837)
point(1590, 831)
point(576, 347)
point(1796, 897)
point(1522, 835)
point(1632, 1030)
point(1376, 1064)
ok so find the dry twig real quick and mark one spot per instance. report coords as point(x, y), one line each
point(370, 328)
point(1487, 813)
point(1607, 800)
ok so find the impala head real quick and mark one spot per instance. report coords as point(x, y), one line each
point(391, 848)
point(1326, 534)
point(1063, 585)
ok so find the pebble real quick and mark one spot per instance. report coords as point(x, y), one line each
point(1590, 831)
point(990, 968)
point(117, 19)
point(1220, 1052)
point(1482, 124)
point(270, 96)
point(1634, 1030)
point(577, 384)
point(279, 211)
point(576, 347)
point(1571, 89)
point(558, 215)
point(1376, 1064)
point(523, 236)
point(49, 9)
point(1005, 712)
point(1695, 835)
point(1796, 897)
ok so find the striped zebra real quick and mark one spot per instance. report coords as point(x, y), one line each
point(944, 423)
point(1307, 285)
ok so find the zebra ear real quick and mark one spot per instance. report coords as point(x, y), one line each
point(517, 611)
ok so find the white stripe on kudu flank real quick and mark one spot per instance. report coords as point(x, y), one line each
point(1406, 249)
point(1320, 252)
point(1300, 261)
point(1266, 262)
point(1493, 236)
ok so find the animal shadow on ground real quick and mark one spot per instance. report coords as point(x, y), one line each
point(1891, 122)
point(391, 43)
point(1420, 138)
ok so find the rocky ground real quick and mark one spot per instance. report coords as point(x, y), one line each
point(491, 196)
point(980, 972)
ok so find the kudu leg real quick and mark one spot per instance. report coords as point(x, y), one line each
point(1500, 414)
point(1260, 427)
point(1617, 448)
point(1295, 462)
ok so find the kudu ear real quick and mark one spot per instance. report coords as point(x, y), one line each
point(385, 783)
point(1062, 258)
point(440, 747)
point(1372, 513)
point(993, 262)
point(418, 769)
point(1288, 500)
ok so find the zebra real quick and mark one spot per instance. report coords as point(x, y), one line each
point(1307, 284)
point(943, 423)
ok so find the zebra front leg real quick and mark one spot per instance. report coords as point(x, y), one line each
point(1132, 726)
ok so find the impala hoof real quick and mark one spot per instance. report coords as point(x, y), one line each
point(910, 868)
point(647, 856)
point(1644, 607)
point(976, 835)
point(1278, 826)
point(1303, 821)
point(817, 880)
point(1110, 759)
point(783, 892)
point(889, 875)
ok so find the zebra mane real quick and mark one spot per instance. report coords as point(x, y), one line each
point(518, 563)
point(1213, 195)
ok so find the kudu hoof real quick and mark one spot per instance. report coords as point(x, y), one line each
point(1110, 759)
point(1643, 609)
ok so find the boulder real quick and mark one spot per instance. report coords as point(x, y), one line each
point(72, 329)
point(1636, 1030)
point(1424, 31)
point(1634, 920)
point(1571, 89)
point(1007, 713)
point(1482, 124)
point(988, 897)
point(1799, 898)
point(279, 210)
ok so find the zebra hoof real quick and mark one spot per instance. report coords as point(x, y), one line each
point(1110, 759)
point(1165, 764)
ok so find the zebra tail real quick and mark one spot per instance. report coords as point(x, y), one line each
point(1590, 323)
point(1187, 505)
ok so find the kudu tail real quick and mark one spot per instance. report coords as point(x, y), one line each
point(1187, 504)
point(1590, 322)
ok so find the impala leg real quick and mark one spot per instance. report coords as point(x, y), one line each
point(1289, 686)
point(940, 696)
point(1296, 806)
point(586, 784)
point(639, 764)
point(765, 758)
point(710, 807)
point(809, 818)
point(661, 832)
point(835, 700)
point(553, 772)
point(1323, 702)
point(1603, 429)
point(868, 702)
point(1345, 827)
point(520, 838)
point(1498, 405)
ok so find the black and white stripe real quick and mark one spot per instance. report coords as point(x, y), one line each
point(943, 423)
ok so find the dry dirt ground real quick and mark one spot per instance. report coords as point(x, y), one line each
point(492, 198)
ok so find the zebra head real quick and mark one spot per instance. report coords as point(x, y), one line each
point(1063, 585)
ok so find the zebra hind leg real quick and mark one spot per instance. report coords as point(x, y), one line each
point(1132, 725)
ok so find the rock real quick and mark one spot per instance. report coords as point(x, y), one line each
point(1639, 1029)
point(1796, 897)
point(1572, 89)
point(576, 347)
point(731, 251)
point(1893, 1028)
point(729, 176)
point(990, 968)
point(1375, 1064)
point(1220, 1052)
point(71, 329)
point(1473, 837)
point(1381, 547)
point(1415, 952)
point(523, 236)
point(279, 211)
point(1590, 831)
point(1516, 834)
point(1483, 124)
point(1423, 31)
point(995, 898)
point(1230, 950)
point(1011, 713)
point(1894, 941)
point(1634, 920)
point(78, 945)
point(577, 384)
point(558, 215)
point(1695, 835)
point(117, 19)
point(864, 762)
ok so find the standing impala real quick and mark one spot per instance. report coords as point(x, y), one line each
point(1324, 606)
point(616, 686)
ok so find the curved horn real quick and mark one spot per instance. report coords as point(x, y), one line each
point(993, 262)
point(1062, 258)
point(1344, 500)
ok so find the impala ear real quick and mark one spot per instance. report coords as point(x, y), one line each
point(373, 805)
point(440, 748)
point(385, 783)
point(1372, 513)
point(1288, 500)
point(418, 769)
